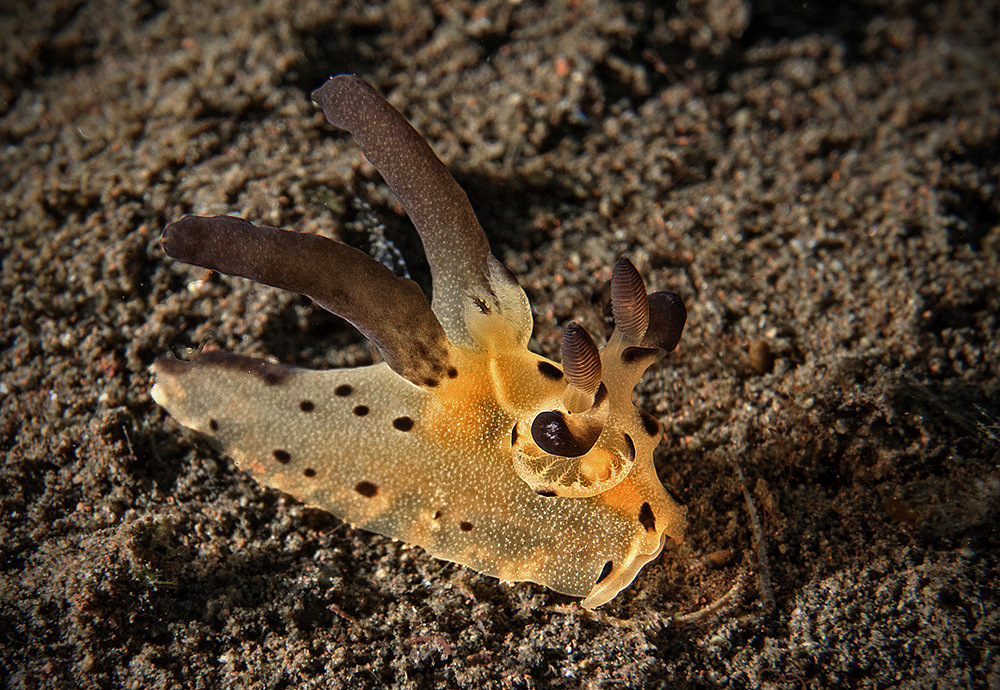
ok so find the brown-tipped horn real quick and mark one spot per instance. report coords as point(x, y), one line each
point(462, 270)
point(390, 311)
point(581, 359)
point(440, 210)
point(629, 304)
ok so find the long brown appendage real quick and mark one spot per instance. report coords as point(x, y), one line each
point(453, 240)
point(390, 311)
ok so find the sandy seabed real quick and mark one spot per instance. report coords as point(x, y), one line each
point(818, 181)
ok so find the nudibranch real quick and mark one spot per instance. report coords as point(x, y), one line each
point(460, 440)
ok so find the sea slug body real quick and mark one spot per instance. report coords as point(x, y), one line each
point(460, 440)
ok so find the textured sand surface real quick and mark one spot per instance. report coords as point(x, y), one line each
point(820, 185)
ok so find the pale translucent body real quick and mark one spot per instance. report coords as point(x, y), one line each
point(448, 483)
